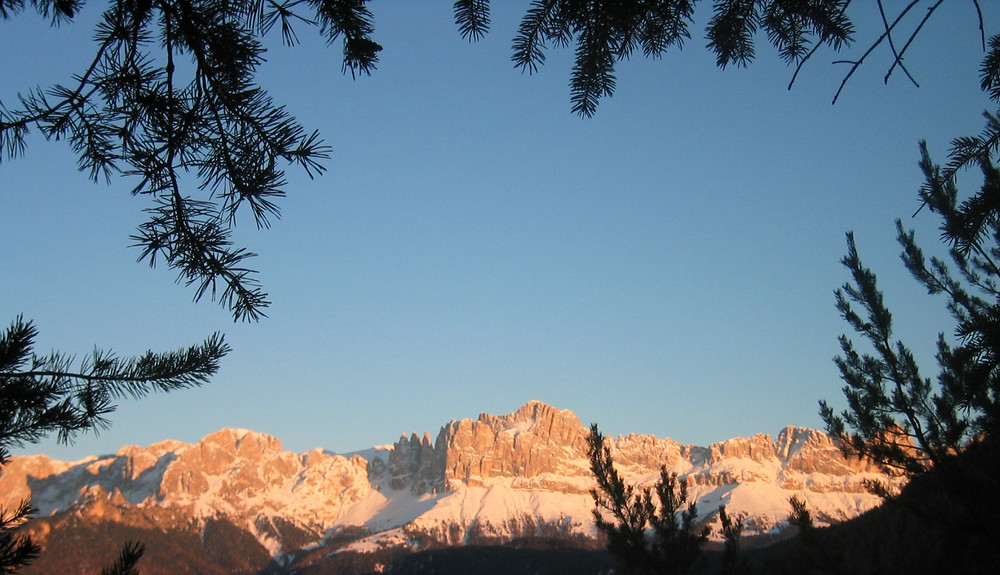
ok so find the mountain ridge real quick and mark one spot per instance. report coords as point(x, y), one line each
point(493, 477)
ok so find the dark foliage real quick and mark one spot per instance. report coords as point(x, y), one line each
point(84, 545)
point(505, 560)
point(925, 529)
point(44, 395)
point(127, 560)
point(323, 562)
point(16, 549)
point(644, 537)
point(731, 531)
point(606, 32)
point(895, 415)
point(801, 519)
point(528, 556)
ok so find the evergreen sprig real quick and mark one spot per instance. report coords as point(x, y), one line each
point(606, 32)
point(171, 92)
point(128, 558)
point(472, 18)
point(353, 20)
point(44, 395)
point(16, 549)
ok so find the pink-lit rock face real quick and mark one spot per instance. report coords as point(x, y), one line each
point(538, 440)
point(534, 440)
point(494, 469)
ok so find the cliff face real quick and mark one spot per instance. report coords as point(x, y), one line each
point(239, 474)
point(527, 468)
point(535, 440)
point(415, 464)
point(544, 447)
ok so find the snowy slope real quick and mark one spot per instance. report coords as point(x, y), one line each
point(524, 473)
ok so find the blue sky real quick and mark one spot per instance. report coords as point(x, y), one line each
point(666, 267)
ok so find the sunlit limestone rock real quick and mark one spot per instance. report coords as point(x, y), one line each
point(757, 448)
point(415, 464)
point(494, 474)
point(21, 476)
point(650, 452)
point(535, 440)
point(242, 476)
point(247, 474)
point(541, 447)
point(235, 465)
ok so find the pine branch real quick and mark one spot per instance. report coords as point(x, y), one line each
point(16, 550)
point(127, 559)
point(40, 395)
point(731, 31)
point(855, 65)
point(352, 19)
point(472, 18)
point(898, 61)
point(540, 23)
point(215, 121)
point(897, 56)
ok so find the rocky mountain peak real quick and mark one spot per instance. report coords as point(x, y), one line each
point(812, 451)
point(536, 439)
point(543, 421)
point(486, 471)
point(539, 445)
point(415, 463)
point(240, 443)
point(757, 448)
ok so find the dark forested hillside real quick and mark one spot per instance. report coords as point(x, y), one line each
point(925, 529)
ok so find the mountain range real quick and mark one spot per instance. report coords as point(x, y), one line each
point(236, 502)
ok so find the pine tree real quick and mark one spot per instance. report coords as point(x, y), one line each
point(731, 529)
point(895, 415)
point(646, 537)
point(45, 395)
point(801, 518)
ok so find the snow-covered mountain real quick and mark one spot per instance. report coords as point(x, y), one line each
point(525, 473)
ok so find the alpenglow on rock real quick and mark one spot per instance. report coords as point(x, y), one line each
point(539, 446)
point(495, 476)
point(535, 441)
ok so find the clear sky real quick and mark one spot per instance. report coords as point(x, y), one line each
point(666, 267)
